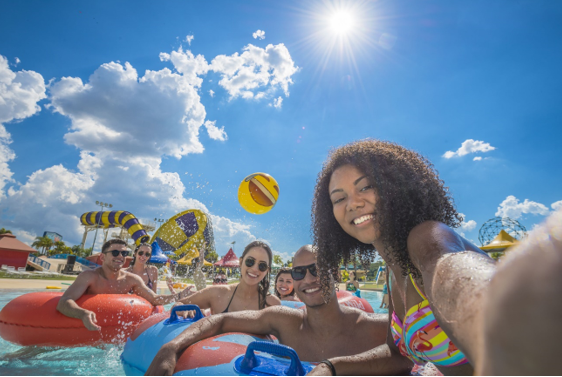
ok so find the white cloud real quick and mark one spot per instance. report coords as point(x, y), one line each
point(189, 38)
point(19, 93)
point(214, 132)
point(17, 61)
point(123, 125)
point(470, 146)
point(117, 113)
point(512, 208)
point(277, 102)
point(467, 225)
point(211, 93)
point(479, 158)
point(556, 205)
point(255, 69)
point(259, 34)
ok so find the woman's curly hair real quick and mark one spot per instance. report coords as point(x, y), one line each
point(409, 190)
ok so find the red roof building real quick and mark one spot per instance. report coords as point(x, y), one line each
point(13, 252)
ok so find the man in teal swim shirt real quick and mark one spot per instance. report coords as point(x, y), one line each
point(318, 332)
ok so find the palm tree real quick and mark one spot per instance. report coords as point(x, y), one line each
point(42, 242)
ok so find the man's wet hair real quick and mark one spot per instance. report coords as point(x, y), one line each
point(115, 241)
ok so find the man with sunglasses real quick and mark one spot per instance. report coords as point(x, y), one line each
point(317, 333)
point(109, 279)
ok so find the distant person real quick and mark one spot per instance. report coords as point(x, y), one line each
point(251, 293)
point(139, 267)
point(318, 332)
point(110, 278)
point(384, 302)
point(284, 285)
point(353, 285)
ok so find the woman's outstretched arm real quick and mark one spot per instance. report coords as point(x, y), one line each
point(456, 276)
point(523, 321)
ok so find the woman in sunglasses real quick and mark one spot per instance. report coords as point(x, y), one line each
point(374, 196)
point(251, 293)
point(148, 274)
point(284, 285)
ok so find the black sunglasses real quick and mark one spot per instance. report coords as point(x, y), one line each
point(141, 253)
point(115, 253)
point(262, 265)
point(298, 273)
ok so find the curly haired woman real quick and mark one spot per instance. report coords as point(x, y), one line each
point(374, 196)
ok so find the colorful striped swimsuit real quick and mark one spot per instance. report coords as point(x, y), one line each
point(421, 339)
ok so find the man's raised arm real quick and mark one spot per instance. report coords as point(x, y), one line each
point(67, 303)
point(262, 322)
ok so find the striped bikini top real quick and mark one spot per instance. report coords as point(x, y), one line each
point(421, 339)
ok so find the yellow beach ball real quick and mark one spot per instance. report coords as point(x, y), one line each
point(258, 193)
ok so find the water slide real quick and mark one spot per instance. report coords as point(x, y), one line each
point(185, 232)
point(112, 219)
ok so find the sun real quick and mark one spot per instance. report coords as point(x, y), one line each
point(341, 22)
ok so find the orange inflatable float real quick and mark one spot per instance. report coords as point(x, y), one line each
point(33, 320)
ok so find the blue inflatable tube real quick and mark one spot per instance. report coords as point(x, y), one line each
point(141, 349)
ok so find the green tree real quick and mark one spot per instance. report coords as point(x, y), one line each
point(212, 256)
point(4, 231)
point(42, 242)
point(277, 260)
point(289, 262)
point(80, 252)
point(60, 248)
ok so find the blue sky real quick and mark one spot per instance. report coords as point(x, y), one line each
point(157, 107)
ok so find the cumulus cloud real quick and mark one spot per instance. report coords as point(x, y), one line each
point(470, 146)
point(117, 113)
point(255, 70)
point(211, 93)
point(512, 208)
point(479, 158)
point(123, 124)
point(467, 225)
point(259, 34)
point(277, 102)
point(214, 132)
point(19, 93)
point(189, 38)
point(556, 205)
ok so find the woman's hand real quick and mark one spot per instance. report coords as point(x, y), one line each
point(184, 313)
point(164, 362)
point(320, 370)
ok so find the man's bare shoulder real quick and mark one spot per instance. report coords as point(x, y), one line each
point(89, 275)
point(357, 316)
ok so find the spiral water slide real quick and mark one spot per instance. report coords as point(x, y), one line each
point(112, 219)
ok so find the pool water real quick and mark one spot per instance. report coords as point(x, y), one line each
point(81, 361)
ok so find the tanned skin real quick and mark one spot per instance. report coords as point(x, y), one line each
point(108, 279)
point(320, 331)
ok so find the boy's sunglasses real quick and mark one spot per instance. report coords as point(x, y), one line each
point(298, 273)
point(262, 265)
point(115, 253)
point(141, 253)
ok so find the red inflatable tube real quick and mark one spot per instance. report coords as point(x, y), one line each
point(349, 299)
point(33, 320)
